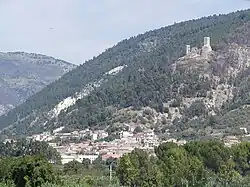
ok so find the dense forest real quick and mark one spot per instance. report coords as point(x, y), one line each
point(146, 81)
point(197, 164)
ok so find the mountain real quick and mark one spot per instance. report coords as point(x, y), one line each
point(24, 74)
point(150, 81)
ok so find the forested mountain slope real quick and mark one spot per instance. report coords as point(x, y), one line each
point(24, 74)
point(144, 81)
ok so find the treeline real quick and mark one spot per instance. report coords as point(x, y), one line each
point(36, 171)
point(32, 165)
point(31, 148)
point(203, 163)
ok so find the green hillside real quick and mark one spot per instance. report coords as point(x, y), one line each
point(147, 80)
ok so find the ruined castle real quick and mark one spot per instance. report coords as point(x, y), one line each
point(195, 57)
point(203, 52)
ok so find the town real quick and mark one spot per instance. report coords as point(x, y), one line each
point(95, 144)
point(92, 144)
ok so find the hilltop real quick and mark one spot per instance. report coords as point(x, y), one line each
point(153, 80)
point(24, 74)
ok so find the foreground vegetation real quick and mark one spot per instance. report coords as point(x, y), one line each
point(197, 164)
point(33, 171)
point(203, 163)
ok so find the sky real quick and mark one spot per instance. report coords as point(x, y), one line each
point(77, 30)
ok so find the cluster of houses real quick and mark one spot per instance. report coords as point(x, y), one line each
point(92, 149)
point(50, 136)
point(96, 147)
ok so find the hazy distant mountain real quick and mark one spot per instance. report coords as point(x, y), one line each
point(23, 74)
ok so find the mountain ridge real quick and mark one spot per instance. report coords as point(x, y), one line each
point(146, 80)
point(23, 74)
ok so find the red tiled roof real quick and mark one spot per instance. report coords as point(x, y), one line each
point(106, 156)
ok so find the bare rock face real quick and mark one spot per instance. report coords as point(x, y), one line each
point(217, 67)
point(23, 74)
point(5, 108)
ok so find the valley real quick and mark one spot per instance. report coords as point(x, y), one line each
point(169, 107)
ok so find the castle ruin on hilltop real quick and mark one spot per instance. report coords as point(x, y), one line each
point(195, 57)
point(203, 52)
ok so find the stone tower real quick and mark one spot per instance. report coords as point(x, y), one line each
point(188, 49)
point(206, 49)
point(207, 41)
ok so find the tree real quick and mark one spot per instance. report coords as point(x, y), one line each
point(179, 167)
point(42, 148)
point(86, 163)
point(241, 157)
point(212, 153)
point(126, 171)
point(73, 167)
point(7, 165)
point(99, 164)
point(138, 169)
point(197, 108)
point(32, 171)
point(228, 174)
point(138, 129)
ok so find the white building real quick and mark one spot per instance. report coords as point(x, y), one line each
point(94, 136)
point(68, 158)
point(58, 129)
point(126, 134)
point(7, 140)
point(149, 133)
point(103, 134)
point(244, 130)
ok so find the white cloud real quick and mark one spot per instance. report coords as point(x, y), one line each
point(83, 28)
